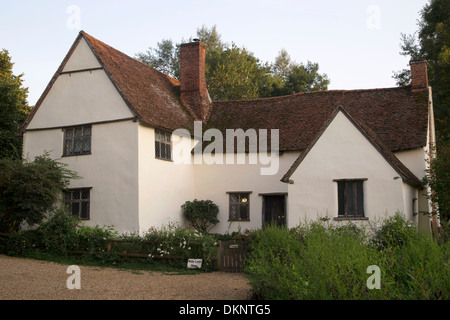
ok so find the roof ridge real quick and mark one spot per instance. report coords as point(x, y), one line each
point(316, 92)
point(171, 79)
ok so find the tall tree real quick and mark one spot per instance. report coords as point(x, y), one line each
point(432, 42)
point(297, 77)
point(235, 73)
point(13, 108)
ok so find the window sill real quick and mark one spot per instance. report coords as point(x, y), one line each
point(168, 160)
point(76, 155)
point(349, 218)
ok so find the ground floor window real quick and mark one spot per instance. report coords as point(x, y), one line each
point(77, 201)
point(239, 206)
point(350, 198)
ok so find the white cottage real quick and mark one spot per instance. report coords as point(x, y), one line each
point(128, 130)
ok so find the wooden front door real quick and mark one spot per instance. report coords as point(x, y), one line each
point(274, 210)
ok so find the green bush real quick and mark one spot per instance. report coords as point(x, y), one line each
point(201, 214)
point(318, 260)
point(420, 268)
point(394, 231)
point(29, 190)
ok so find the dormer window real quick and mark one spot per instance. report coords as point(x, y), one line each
point(163, 145)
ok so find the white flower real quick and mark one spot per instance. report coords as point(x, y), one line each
point(189, 248)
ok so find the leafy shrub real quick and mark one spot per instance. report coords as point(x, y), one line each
point(421, 269)
point(58, 234)
point(313, 261)
point(201, 214)
point(394, 231)
point(29, 190)
point(317, 260)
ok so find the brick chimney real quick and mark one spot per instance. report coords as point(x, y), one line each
point(419, 76)
point(194, 94)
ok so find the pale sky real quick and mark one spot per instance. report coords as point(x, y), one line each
point(356, 43)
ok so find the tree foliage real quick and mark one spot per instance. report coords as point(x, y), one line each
point(438, 179)
point(201, 214)
point(432, 43)
point(29, 190)
point(13, 108)
point(234, 73)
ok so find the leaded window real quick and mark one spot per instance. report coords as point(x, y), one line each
point(77, 201)
point(77, 140)
point(239, 206)
point(163, 145)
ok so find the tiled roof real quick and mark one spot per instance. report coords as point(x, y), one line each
point(150, 94)
point(398, 116)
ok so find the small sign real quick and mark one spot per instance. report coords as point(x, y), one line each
point(194, 263)
point(233, 246)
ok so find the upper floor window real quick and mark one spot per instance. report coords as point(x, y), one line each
point(77, 140)
point(163, 145)
point(350, 198)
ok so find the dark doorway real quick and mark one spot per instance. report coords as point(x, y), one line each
point(274, 210)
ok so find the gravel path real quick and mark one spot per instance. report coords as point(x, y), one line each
point(28, 279)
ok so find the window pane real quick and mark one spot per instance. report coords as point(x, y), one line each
point(76, 208)
point(360, 198)
point(350, 198)
point(87, 131)
point(87, 144)
point(157, 150)
point(75, 195)
point(84, 210)
point(243, 212)
point(234, 212)
point(234, 197)
point(341, 198)
point(69, 133)
point(78, 131)
point(77, 142)
point(168, 155)
point(163, 151)
point(85, 194)
point(69, 147)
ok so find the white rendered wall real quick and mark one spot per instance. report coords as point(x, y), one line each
point(213, 181)
point(80, 97)
point(342, 152)
point(163, 185)
point(111, 170)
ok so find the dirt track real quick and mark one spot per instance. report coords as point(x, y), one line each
point(26, 279)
